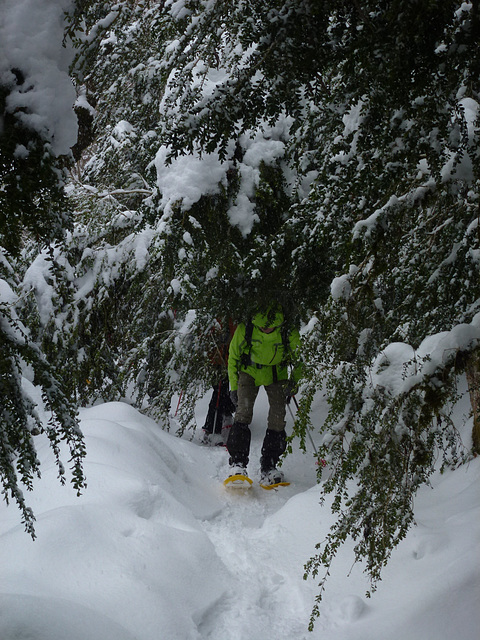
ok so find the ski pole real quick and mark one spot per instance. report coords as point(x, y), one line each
point(308, 430)
point(219, 390)
point(179, 400)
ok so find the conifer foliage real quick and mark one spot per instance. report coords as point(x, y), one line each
point(322, 155)
point(384, 104)
point(166, 240)
point(34, 149)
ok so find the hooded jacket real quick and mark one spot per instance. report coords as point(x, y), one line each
point(266, 361)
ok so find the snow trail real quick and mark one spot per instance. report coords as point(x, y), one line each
point(262, 601)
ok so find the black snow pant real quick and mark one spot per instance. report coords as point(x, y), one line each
point(220, 406)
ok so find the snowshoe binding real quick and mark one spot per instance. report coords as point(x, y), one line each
point(272, 479)
point(238, 478)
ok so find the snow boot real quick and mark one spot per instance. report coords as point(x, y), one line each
point(237, 470)
point(238, 478)
point(274, 476)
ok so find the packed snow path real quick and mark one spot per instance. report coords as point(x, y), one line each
point(157, 549)
point(265, 599)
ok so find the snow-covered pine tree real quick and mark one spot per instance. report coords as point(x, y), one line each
point(296, 142)
point(96, 277)
point(157, 236)
point(34, 143)
point(402, 323)
point(384, 104)
point(230, 221)
point(31, 198)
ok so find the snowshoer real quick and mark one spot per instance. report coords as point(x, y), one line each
point(260, 354)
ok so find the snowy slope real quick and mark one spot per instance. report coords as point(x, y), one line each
point(157, 549)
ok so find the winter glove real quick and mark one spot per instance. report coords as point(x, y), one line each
point(291, 390)
point(234, 398)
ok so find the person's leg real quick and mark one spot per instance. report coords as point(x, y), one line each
point(225, 407)
point(238, 444)
point(277, 405)
point(275, 441)
point(239, 437)
point(228, 409)
point(247, 394)
point(210, 417)
point(274, 445)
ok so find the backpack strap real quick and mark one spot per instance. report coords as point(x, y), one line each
point(246, 359)
point(285, 333)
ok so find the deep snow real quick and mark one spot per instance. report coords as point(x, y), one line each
point(157, 549)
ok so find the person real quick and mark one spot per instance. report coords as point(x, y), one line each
point(219, 416)
point(260, 354)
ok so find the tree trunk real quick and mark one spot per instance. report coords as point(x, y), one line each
point(472, 371)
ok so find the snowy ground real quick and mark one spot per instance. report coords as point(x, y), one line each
point(157, 549)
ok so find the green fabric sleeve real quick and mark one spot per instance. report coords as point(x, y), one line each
point(234, 356)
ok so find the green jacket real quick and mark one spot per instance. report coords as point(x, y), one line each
point(268, 360)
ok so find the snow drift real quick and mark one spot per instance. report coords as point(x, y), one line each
point(156, 548)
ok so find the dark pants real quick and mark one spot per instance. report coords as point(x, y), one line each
point(220, 406)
